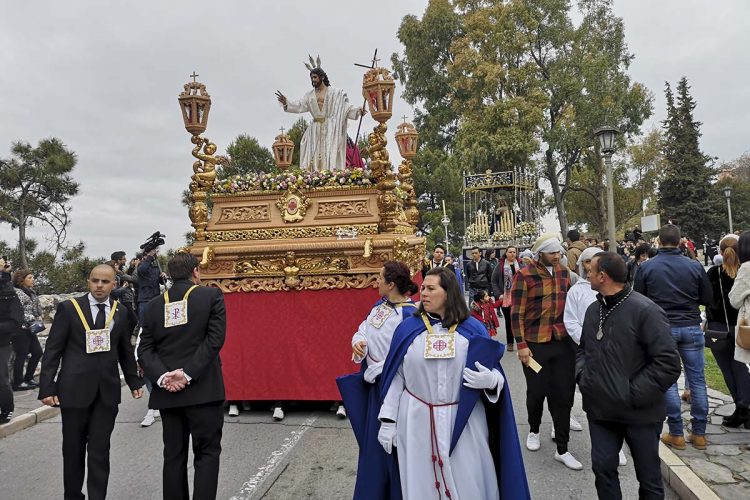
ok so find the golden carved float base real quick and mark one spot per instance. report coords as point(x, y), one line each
point(322, 240)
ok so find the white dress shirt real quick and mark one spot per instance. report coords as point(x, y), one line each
point(95, 310)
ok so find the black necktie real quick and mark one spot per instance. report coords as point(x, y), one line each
point(99, 322)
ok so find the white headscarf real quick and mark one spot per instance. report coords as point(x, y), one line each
point(586, 255)
point(547, 243)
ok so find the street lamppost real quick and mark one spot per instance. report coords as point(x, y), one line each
point(728, 196)
point(606, 136)
point(445, 220)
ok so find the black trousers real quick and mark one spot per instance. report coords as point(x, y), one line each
point(509, 339)
point(735, 373)
point(204, 424)
point(6, 393)
point(643, 441)
point(25, 343)
point(556, 383)
point(87, 429)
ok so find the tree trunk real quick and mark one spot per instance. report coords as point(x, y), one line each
point(23, 264)
point(562, 215)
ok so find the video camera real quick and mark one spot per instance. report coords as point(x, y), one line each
point(154, 241)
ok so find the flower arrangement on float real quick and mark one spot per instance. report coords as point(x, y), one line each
point(301, 179)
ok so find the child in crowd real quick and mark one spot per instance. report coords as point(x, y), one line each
point(483, 309)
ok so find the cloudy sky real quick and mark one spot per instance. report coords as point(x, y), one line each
point(104, 77)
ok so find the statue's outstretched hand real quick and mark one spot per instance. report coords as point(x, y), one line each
point(281, 97)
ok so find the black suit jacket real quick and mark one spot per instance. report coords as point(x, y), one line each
point(83, 375)
point(194, 346)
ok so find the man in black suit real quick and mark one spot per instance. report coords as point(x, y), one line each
point(90, 335)
point(182, 334)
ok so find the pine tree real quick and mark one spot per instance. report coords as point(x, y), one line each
point(685, 187)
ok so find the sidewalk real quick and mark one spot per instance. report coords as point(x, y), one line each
point(724, 466)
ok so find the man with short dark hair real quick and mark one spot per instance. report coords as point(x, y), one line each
point(438, 260)
point(575, 248)
point(89, 336)
point(182, 334)
point(478, 272)
point(626, 361)
point(680, 285)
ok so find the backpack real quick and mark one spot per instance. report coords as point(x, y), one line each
point(10, 305)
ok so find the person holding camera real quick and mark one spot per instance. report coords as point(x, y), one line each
point(25, 341)
point(150, 277)
point(11, 317)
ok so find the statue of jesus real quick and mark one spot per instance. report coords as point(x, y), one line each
point(324, 142)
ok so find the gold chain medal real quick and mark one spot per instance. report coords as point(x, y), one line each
point(439, 345)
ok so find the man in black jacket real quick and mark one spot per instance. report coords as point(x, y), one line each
point(182, 334)
point(11, 318)
point(626, 361)
point(90, 336)
point(478, 273)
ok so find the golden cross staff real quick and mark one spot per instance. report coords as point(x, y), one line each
point(371, 66)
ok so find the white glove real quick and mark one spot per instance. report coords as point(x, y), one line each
point(483, 378)
point(387, 436)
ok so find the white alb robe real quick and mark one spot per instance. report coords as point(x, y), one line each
point(378, 339)
point(469, 472)
point(323, 145)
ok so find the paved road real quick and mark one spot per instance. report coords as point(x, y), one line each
point(310, 455)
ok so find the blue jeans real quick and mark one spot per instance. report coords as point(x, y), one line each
point(690, 344)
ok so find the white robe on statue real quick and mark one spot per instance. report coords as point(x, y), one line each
point(323, 145)
point(469, 472)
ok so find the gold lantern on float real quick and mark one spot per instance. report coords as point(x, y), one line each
point(377, 89)
point(195, 104)
point(407, 139)
point(283, 149)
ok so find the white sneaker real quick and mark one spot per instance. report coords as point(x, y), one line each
point(341, 412)
point(575, 425)
point(278, 414)
point(157, 415)
point(233, 411)
point(623, 459)
point(148, 419)
point(569, 461)
point(532, 441)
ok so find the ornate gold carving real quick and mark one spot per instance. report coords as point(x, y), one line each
point(328, 282)
point(405, 171)
point(382, 171)
point(204, 175)
point(250, 213)
point(288, 232)
point(368, 248)
point(291, 267)
point(350, 208)
point(207, 257)
point(410, 254)
point(293, 205)
point(373, 261)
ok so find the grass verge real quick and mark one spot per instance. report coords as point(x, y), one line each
point(714, 378)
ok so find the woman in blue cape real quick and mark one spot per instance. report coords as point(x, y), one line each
point(377, 476)
point(441, 364)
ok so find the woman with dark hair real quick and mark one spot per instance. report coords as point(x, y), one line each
point(642, 254)
point(720, 315)
point(370, 346)
point(25, 341)
point(502, 279)
point(441, 363)
point(738, 298)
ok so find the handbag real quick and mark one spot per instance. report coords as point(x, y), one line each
point(716, 331)
point(37, 327)
point(743, 330)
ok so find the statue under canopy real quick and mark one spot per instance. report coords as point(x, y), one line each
point(323, 145)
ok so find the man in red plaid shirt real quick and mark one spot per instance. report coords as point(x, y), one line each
point(537, 309)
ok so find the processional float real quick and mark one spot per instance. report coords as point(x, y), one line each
point(297, 253)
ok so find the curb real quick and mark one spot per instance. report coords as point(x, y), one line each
point(681, 478)
point(33, 417)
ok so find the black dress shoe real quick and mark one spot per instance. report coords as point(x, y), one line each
point(737, 419)
point(31, 384)
point(5, 417)
point(23, 386)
